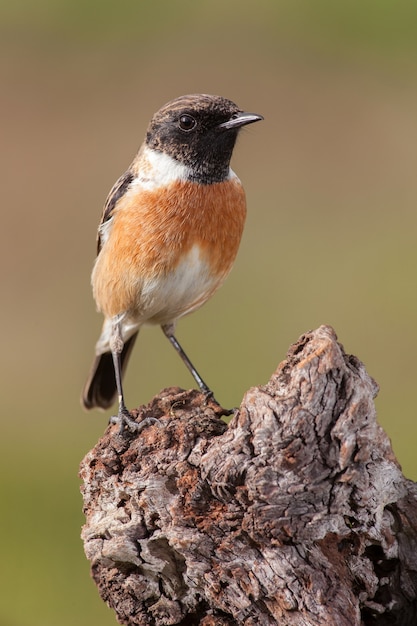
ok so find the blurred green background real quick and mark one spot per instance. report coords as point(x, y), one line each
point(330, 238)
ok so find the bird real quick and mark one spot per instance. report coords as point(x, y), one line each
point(169, 234)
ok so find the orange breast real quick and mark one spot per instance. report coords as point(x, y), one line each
point(153, 231)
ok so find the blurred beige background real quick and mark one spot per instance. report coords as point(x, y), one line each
point(331, 234)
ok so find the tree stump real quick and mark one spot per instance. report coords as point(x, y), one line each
point(295, 513)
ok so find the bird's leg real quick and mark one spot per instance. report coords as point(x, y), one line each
point(116, 347)
point(123, 416)
point(168, 330)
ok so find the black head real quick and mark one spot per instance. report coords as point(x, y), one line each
point(199, 131)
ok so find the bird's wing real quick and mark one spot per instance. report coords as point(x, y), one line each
point(118, 190)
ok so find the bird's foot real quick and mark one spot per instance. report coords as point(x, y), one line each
point(125, 421)
point(210, 399)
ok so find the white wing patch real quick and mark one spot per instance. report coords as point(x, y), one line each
point(104, 231)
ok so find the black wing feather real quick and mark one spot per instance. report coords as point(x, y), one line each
point(118, 190)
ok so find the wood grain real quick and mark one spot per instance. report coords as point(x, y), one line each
point(296, 513)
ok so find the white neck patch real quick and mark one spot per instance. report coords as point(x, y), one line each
point(158, 169)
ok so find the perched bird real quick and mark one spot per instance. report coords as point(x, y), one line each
point(169, 233)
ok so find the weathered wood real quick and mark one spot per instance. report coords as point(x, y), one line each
point(296, 513)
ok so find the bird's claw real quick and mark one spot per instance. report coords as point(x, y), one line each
point(209, 397)
point(125, 421)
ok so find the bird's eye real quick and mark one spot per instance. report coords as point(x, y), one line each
point(187, 122)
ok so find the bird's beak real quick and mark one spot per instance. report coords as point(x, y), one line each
point(240, 119)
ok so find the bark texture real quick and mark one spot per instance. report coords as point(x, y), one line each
point(296, 513)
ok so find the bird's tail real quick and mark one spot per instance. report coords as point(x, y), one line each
point(100, 389)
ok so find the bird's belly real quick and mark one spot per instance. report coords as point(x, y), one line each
point(165, 298)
